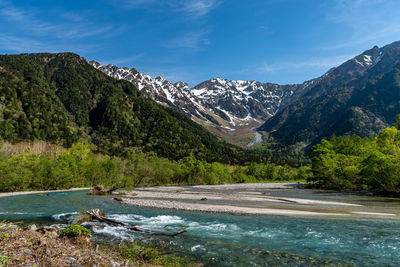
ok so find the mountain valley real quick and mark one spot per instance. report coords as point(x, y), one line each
point(231, 109)
point(338, 102)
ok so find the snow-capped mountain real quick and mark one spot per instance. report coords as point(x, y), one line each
point(361, 96)
point(342, 101)
point(219, 103)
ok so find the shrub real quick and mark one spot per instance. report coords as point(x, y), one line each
point(3, 237)
point(75, 230)
point(3, 260)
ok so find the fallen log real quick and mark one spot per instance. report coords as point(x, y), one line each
point(99, 216)
point(100, 190)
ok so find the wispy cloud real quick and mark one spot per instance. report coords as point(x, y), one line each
point(32, 33)
point(20, 45)
point(124, 60)
point(264, 68)
point(137, 3)
point(196, 8)
point(176, 73)
point(17, 44)
point(25, 19)
point(367, 21)
point(194, 40)
point(188, 8)
point(324, 63)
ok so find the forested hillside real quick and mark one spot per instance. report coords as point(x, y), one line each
point(360, 97)
point(60, 98)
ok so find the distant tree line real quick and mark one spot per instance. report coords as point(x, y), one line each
point(78, 166)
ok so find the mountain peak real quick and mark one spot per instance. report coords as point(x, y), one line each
point(324, 110)
point(220, 103)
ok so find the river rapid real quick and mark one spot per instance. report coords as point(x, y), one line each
point(234, 240)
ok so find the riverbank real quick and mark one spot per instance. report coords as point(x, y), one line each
point(32, 247)
point(43, 247)
point(257, 199)
point(213, 238)
point(20, 193)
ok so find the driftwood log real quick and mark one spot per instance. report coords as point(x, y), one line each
point(99, 216)
point(100, 190)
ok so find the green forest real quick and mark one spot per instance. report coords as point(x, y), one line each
point(108, 133)
point(78, 166)
point(340, 163)
point(352, 162)
point(60, 98)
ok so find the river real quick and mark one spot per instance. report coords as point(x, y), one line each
point(257, 139)
point(233, 240)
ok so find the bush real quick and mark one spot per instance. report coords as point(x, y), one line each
point(3, 260)
point(75, 230)
point(3, 237)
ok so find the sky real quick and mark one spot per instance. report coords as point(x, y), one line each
point(280, 41)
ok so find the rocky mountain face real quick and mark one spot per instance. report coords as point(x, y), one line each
point(361, 96)
point(219, 104)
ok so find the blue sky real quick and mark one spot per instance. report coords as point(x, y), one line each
point(283, 41)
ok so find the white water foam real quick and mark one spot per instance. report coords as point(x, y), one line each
point(63, 216)
point(119, 232)
point(164, 220)
point(261, 233)
point(197, 247)
point(160, 220)
point(215, 227)
point(127, 218)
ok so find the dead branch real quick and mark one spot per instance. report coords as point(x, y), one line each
point(97, 215)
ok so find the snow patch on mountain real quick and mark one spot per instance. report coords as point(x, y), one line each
point(222, 103)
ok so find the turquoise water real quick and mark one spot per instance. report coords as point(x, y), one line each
point(229, 240)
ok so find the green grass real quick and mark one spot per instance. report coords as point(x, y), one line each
point(147, 254)
point(75, 230)
point(3, 260)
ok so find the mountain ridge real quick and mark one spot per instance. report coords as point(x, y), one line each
point(287, 114)
point(337, 100)
point(60, 98)
point(222, 106)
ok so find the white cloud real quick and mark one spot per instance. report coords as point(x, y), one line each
point(137, 3)
point(266, 68)
point(324, 63)
point(368, 22)
point(17, 44)
point(124, 60)
point(191, 9)
point(20, 45)
point(194, 39)
point(29, 31)
point(198, 8)
point(71, 27)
